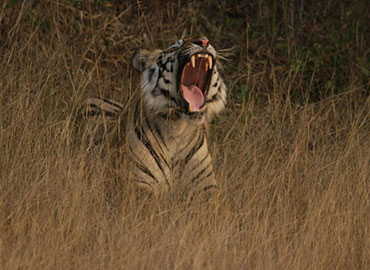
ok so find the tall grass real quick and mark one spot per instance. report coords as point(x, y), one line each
point(293, 163)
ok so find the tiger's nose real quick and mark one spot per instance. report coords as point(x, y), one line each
point(203, 42)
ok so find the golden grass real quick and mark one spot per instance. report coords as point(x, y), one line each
point(295, 178)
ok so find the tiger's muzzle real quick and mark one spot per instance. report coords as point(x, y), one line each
point(194, 81)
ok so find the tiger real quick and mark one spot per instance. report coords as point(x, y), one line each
point(165, 129)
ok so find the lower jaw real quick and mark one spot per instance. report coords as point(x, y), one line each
point(195, 116)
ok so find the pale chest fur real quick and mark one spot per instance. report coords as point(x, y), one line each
point(167, 148)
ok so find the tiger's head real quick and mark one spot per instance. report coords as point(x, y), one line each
point(183, 78)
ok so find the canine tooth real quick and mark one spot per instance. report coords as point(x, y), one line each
point(190, 108)
point(192, 61)
point(206, 66)
point(203, 109)
point(210, 61)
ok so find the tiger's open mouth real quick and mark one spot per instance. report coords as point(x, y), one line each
point(194, 81)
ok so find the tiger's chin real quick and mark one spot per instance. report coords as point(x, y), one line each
point(191, 118)
point(195, 118)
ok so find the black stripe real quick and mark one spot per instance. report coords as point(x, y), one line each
point(213, 98)
point(158, 131)
point(151, 72)
point(166, 93)
point(160, 59)
point(110, 114)
point(200, 162)
point(93, 110)
point(166, 81)
point(174, 164)
point(195, 149)
point(145, 170)
point(189, 142)
point(141, 166)
point(94, 106)
point(143, 182)
point(113, 103)
point(141, 135)
point(201, 172)
point(208, 175)
point(196, 165)
point(163, 65)
point(155, 137)
point(136, 115)
point(100, 110)
point(93, 113)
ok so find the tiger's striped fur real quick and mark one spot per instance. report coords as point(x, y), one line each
point(166, 136)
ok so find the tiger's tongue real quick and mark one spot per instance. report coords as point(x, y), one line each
point(193, 95)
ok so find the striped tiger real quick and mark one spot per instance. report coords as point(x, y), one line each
point(165, 128)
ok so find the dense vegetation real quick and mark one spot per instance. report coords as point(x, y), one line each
point(291, 151)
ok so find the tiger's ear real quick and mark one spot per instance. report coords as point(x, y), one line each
point(143, 59)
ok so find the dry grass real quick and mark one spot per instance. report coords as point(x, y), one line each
point(294, 169)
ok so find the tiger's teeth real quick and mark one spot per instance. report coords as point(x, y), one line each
point(206, 66)
point(210, 61)
point(190, 108)
point(201, 110)
point(192, 59)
